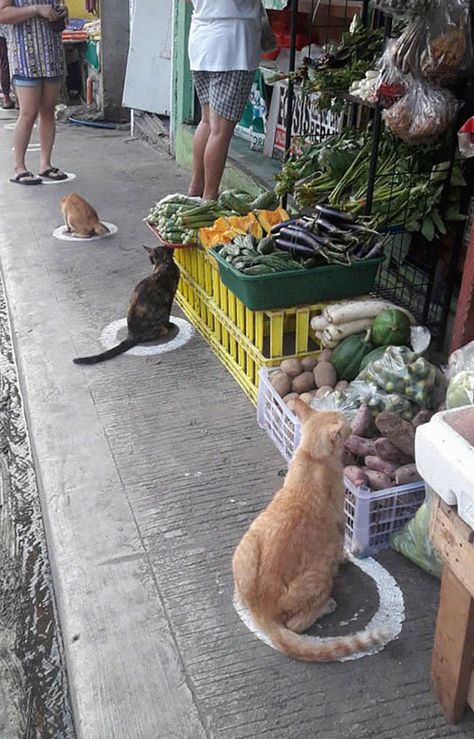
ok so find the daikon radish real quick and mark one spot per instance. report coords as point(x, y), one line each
point(342, 330)
point(319, 323)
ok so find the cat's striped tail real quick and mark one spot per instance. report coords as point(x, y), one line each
point(315, 649)
point(124, 346)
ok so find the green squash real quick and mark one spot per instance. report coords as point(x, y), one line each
point(391, 326)
point(372, 356)
point(347, 356)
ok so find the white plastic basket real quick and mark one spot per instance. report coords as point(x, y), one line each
point(371, 517)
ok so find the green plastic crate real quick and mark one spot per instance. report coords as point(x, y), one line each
point(299, 287)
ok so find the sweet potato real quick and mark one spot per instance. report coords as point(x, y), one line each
point(355, 475)
point(400, 432)
point(359, 446)
point(407, 473)
point(386, 450)
point(422, 417)
point(325, 374)
point(377, 480)
point(348, 459)
point(381, 465)
point(363, 423)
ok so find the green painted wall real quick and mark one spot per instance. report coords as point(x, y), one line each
point(183, 92)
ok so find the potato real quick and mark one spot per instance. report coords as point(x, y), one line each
point(281, 383)
point(291, 367)
point(355, 475)
point(360, 447)
point(381, 465)
point(323, 391)
point(290, 396)
point(325, 374)
point(308, 364)
point(377, 480)
point(325, 355)
point(303, 383)
point(363, 423)
point(307, 397)
point(407, 473)
point(341, 386)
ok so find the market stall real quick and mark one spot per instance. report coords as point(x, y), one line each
point(81, 42)
point(323, 288)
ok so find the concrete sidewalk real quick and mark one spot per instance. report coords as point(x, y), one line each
point(150, 470)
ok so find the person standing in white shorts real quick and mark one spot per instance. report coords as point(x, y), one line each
point(224, 52)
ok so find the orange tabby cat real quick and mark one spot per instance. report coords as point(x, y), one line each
point(80, 217)
point(284, 567)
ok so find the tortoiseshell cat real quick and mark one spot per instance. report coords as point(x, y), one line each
point(149, 310)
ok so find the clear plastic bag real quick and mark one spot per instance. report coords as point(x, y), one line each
point(448, 49)
point(363, 392)
point(404, 7)
point(402, 372)
point(391, 84)
point(337, 401)
point(413, 541)
point(461, 377)
point(423, 114)
point(410, 46)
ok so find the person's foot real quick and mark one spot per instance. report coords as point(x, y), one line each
point(26, 178)
point(7, 103)
point(52, 173)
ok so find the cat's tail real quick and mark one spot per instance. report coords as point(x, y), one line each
point(315, 649)
point(101, 229)
point(124, 346)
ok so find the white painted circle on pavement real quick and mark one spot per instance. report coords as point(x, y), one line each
point(8, 115)
point(63, 234)
point(11, 126)
point(388, 618)
point(109, 338)
point(70, 176)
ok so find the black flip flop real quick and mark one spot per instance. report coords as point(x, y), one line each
point(53, 173)
point(20, 179)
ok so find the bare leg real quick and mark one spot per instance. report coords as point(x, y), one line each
point(215, 154)
point(5, 73)
point(47, 122)
point(29, 98)
point(199, 146)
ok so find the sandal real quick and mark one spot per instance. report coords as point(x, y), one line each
point(8, 106)
point(53, 173)
point(26, 178)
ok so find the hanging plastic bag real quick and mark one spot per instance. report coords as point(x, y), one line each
point(413, 541)
point(461, 377)
point(391, 84)
point(448, 49)
point(423, 114)
point(466, 139)
point(404, 7)
point(409, 47)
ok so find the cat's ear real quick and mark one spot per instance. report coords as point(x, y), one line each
point(302, 410)
point(150, 250)
point(339, 431)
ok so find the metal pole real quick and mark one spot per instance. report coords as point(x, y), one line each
point(290, 94)
point(365, 12)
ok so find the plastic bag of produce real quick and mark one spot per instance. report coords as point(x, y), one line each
point(404, 7)
point(423, 114)
point(404, 373)
point(377, 401)
point(448, 49)
point(391, 83)
point(339, 401)
point(461, 377)
point(413, 541)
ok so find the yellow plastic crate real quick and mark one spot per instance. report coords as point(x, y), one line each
point(244, 340)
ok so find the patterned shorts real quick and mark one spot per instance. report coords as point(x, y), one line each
point(225, 92)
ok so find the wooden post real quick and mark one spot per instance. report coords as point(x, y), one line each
point(453, 648)
point(463, 329)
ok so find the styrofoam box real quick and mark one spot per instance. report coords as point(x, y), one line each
point(371, 516)
point(445, 460)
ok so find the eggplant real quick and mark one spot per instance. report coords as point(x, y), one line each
point(302, 236)
point(333, 214)
point(277, 228)
point(297, 250)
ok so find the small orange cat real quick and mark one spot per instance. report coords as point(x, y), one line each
point(80, 217)
point(284, 567)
